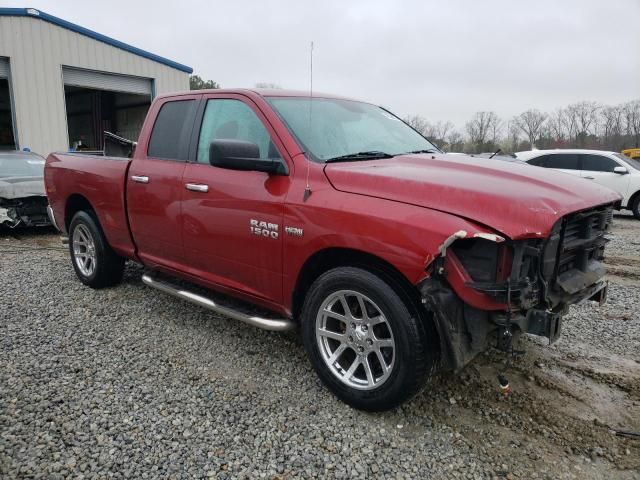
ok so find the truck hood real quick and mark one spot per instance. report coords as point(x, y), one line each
point(20, 187)
point(515, 199)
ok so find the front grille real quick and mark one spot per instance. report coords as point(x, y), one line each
point(583, 238)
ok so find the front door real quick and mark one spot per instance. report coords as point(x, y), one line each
point(154, 184)
point(233, 219)
point(599, 169)
point(565, 162)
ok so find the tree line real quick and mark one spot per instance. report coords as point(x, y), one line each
point(579, 125)
point(197, 83)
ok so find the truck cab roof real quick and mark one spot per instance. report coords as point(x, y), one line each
point(262, 92)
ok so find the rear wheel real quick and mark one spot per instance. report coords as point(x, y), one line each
point(94, 262)
point(367, 343)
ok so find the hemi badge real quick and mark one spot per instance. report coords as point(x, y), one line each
point(294, 231)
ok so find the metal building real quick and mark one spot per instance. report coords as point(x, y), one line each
point(62, 85)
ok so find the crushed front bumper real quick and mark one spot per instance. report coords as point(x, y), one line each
point(27, 212)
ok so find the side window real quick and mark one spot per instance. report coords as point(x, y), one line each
point(171, 131)
point(567, 161)
point(539, 161)
point(233, 120)
point(598, 163)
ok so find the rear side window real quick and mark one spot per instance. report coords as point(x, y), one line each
point(598, 163)
point(171, 131)
point(567, 161)
point(539, 162)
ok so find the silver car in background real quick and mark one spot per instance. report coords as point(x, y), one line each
point(23, 201)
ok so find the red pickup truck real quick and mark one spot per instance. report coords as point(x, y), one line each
point(393, 258)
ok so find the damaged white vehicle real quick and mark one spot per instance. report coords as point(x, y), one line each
point(23, 201)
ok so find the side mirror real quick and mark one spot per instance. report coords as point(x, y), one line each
point(242, 155)
point(620, 170)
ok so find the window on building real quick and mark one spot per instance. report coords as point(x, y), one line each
point(7, 140)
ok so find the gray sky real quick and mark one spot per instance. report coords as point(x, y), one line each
point(443, 60)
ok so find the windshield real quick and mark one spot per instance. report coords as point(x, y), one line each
point(21, 166)
point(632, 162)
point(340, 128)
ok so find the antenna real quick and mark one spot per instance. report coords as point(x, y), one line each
point(307, 189)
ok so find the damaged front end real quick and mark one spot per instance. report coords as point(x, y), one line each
point(28, 212)
point(485, 290)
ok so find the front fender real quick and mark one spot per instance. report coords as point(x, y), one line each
point(406, 236)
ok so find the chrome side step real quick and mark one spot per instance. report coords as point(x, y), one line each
point(277, 325)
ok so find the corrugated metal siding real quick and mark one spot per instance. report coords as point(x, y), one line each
point(106, 81)
point(37, 51)
point(4, 68)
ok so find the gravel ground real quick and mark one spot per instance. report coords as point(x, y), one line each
point(130, 383)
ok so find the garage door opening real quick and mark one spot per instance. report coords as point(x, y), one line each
point(91, 112)
point(7, 139)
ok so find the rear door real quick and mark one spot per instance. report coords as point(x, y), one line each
point(565, 162)
point(599, 169)
point(233, 219)
point(154, 183)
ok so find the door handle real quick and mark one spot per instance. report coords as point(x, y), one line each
point(197, 187)
point(590, 178)
point(140, 178)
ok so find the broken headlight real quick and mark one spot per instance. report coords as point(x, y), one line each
point(506, 270)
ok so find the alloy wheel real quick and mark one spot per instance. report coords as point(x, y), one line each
point(355, 340)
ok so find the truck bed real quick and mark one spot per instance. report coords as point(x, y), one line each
point(102, 181)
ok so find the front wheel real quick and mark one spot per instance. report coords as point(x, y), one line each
point(635, 207)
point(367, 343)
point(94, 262)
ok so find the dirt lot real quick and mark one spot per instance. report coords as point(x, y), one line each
point(128, 383)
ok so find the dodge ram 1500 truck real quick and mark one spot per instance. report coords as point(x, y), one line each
point(394, 259)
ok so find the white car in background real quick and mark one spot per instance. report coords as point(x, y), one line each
point(611, 169)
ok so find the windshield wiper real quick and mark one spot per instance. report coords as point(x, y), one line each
point(370, 155)
point(424, 151)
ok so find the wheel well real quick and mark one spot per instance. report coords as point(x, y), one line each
point(75, 204)
point(327, 259)
point(633, 199)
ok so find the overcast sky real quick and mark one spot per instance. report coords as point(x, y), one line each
point(443, 60)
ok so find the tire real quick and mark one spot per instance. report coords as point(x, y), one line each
point(93, 260)
point(405, 339)
point(635, 207)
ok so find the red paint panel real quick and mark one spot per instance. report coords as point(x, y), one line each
point(518, 200)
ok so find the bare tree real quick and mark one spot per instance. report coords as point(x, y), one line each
point(418, 123)
point(557, 126)
point(431, 132)
point(272, 86)
point(584, 118)
point(570, 119)
point(612, 126)
point(632, 121)
point(512, 142)
point(481, 129)
point(437, 132)
point(530, 123)
point(495, 131)
point(455, 141)
point(443, 129)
